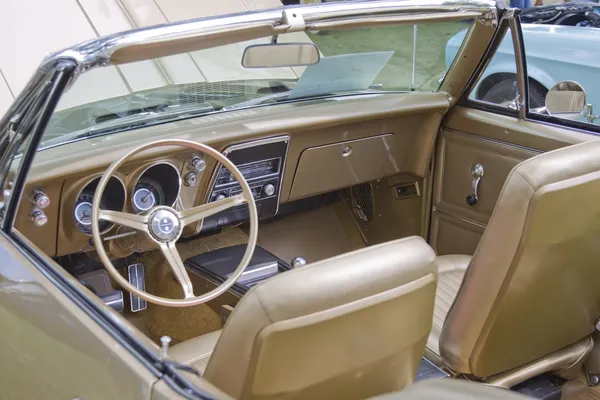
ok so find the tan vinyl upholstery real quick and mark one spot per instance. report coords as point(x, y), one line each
point(351, 326)
point(533, 285)
point(197, 351)
point(451, 270)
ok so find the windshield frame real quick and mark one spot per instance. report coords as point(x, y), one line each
point(141, 44)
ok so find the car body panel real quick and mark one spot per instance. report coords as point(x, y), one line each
point(47, 341)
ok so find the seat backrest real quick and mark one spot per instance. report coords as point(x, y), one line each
point(350, 327)
point(533, 284)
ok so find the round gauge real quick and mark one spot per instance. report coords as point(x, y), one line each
point(83, 214)
point(113, 198)
point(147, 194)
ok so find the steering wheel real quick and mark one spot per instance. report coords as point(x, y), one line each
point(164, 226)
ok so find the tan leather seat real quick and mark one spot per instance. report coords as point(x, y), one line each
point(197, 351)
point(532, 287)
point(352, 326)
point(451, 270)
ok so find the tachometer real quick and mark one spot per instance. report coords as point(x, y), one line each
point(147, 194)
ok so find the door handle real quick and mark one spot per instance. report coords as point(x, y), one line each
point(477, 174)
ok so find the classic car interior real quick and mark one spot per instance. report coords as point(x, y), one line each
point(340, 246)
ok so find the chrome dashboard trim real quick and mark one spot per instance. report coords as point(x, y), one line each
point(245, 145)
point(224, 185)
point(98, 52)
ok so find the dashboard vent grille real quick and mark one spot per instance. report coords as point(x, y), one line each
point(362, 201)
point(209, 91)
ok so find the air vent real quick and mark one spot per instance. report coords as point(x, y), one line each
point(209, 91)
point(362, 201)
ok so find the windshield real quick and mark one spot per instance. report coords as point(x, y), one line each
point(370, 61)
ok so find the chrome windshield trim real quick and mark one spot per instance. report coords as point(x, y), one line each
point(98, 52)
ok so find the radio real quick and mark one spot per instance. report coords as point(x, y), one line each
point(261, 162)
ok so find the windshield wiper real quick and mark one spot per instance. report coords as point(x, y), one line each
point(132, 121)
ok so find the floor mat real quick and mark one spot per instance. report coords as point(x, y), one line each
point(579, 389)
point(185, 322)
point(315, 235)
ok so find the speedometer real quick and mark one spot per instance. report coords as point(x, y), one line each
point(83, 214)
point(113, 199)
point(147, 194)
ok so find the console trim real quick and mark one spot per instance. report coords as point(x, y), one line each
point(245, 145)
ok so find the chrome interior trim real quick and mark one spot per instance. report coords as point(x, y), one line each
point(251, 274)
point(245, 145)
point(98, 52)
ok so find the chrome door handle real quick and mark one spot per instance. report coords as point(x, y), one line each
point(477, 174)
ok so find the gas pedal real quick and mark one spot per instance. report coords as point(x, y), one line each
point(138, 279)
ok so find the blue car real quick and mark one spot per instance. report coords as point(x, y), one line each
point(554, 53)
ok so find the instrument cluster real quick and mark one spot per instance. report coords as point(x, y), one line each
point(159, 184)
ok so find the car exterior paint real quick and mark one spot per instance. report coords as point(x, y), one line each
point(553, 53)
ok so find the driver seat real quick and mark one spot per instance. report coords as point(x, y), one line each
point(352, 326)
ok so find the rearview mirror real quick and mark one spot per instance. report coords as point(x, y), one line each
point(280, 55)
point(566, 99)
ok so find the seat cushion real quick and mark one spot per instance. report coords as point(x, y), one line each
point(197, 351)
point(451, 270)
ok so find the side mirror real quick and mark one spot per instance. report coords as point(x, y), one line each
point(566, 99)
point(280, 55)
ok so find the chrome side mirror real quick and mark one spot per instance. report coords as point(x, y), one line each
point(566, 99)
point(280, 55)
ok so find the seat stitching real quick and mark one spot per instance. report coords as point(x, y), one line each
point(203, 355)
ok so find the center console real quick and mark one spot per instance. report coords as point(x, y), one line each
point(218, 265)
point(262, 163)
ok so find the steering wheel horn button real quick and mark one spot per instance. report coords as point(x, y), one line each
point(165, 225)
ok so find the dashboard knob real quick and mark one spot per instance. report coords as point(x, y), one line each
point(190, 179)
point(40, 199)
point(198, 163)
point(298, 262)
point(269, 189)
point(39, 218)
point(220, 197)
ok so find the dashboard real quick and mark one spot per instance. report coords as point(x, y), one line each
point(285, 152)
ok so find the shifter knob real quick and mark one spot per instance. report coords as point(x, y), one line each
point(299, 262)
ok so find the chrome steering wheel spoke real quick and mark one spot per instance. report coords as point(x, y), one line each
point(198, 213)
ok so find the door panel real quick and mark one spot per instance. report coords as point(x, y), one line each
point(453, 235)
point(498, 143)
